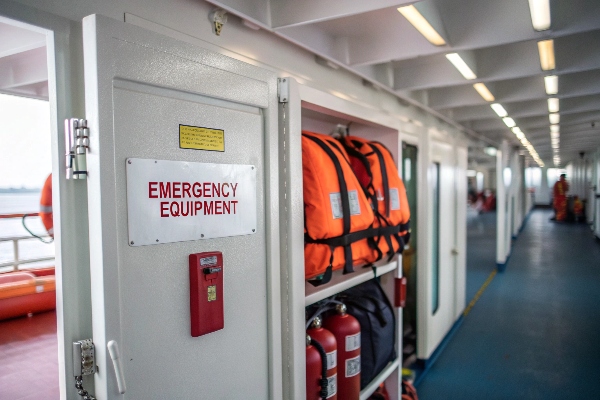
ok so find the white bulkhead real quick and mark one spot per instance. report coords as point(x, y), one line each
point(137, 70)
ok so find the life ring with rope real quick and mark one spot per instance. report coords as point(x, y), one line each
point(46, 206)
point(45, 213)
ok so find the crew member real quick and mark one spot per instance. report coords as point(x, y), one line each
point(561, 187)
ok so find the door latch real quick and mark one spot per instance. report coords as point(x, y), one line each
point(84, 363)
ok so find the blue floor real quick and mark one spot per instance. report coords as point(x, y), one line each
point(481, 250)
point(535, 331)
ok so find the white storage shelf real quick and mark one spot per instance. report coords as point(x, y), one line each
point(319, 118)
point(383, 375)
point(340, 282)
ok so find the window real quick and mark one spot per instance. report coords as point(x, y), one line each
point(435, 242)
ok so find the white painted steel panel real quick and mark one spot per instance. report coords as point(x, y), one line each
point(177, 201)
point(139, 87)
point(439, 322)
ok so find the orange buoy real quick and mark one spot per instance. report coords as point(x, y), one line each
point(46, 206)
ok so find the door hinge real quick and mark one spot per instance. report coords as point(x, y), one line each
point(283, 89)
point(77, 142)
point(84, 363)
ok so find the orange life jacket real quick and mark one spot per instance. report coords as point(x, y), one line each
point(337, 215)
point(378, 175)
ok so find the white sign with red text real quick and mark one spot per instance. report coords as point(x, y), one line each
point(177, 201)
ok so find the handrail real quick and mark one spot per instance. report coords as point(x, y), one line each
point(15, 239)
point(10, 238)
point(3, 216)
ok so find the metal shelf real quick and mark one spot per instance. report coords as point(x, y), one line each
point(340, 282)
point(383, 375)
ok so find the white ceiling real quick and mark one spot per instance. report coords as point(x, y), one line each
point(23, 69)
point(372, 39)
point(495, 37)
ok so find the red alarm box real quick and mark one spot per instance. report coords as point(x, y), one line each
point(206, 292)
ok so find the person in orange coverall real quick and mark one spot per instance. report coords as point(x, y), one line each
point(560, 198)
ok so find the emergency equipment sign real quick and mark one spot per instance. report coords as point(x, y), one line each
point(176, 201)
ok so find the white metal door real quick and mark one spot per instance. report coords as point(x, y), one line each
point(460, 255)
point(440, 313)
point(140, 86)
point(596, 197)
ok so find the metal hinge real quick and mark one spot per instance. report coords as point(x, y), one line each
point(84, 363)
point(283, 89)
point(77, 143)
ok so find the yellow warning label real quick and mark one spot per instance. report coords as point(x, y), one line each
point(212, 293)
point(198, 138)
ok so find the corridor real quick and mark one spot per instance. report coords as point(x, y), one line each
point(533, 334)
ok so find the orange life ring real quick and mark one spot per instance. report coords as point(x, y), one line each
point(46, 206)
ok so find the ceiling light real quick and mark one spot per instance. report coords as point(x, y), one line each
point(509, 121)
point(553, 105)
point(540, 14)
point(518, 132)
point(551, 83)
point(423, 26)
point(554, 128)
point(554, 119)
point(554, 135)
point(490, 151)
point(461, 66)
point(484, 92)
point(546, 49)
point(498, 109)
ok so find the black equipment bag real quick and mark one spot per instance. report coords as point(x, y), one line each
point(371, 307)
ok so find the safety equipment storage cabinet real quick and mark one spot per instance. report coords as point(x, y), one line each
point(143, 93)
point(304, 108)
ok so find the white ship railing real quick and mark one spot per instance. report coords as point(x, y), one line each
point(16, 261)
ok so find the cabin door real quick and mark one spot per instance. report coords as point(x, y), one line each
point(154, 100)
point(596, 198)
point(442, 227)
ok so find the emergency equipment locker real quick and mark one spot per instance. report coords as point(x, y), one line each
point(305, 108)
point(147, 95)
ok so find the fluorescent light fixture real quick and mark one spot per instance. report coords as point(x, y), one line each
point(554, 119)
point(423, 26)
point(498, 109)
point(554, 135)
point(518, 132)
point(540, 14)
point(553, 105)
point(546, 49)
point(484, 92)
point(461, 66)
point(490, 151)
point(554, 128)
point(551, 83)
point(509, 122)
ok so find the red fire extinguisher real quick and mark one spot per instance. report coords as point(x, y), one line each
point(346, 330)
point(325, 344)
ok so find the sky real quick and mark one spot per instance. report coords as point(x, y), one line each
point(25, 152)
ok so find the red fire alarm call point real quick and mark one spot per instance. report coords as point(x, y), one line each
point(206, 292)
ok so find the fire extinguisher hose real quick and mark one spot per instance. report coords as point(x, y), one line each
point(323, 355)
